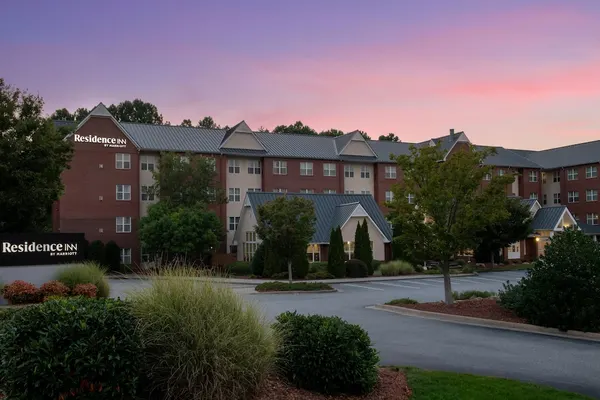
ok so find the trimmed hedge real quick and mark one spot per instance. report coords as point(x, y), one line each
point(356, 269)
point(239, 268)
point(295, 286)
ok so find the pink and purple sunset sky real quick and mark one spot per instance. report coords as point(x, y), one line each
point(513, 73)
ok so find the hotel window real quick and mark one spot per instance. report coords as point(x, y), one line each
point(349, 250)
point(365, 192)
point(487, 177)
point(545, 199)
point(233, 166)
point(556, 176)
point(348, 171)
point(329, 191)
point(389, 196)
point(123, 192)
point(364, 172)
point(280, 190)
point(591, 195)
point(556, 198)
point(147, 163)
point(572, 174)
point(306, 168)
point(501, 172)
point(123, 224)
point(250, 245)
point(126, 256)
point(543, 177)
point(591, 172)
point(390, 172)
point(329, 169)
point(533, 195)
point(123, 161)
point(411, 198)
point(147, 193)
point(307, 190)
point(349, 191)
point(280, 167)
point(233, 223)
point(312, 252)
point(533, 176)
point(573, 197)
point(253, 190)
point(254, 167)
point(234, 194)
point(592, 219)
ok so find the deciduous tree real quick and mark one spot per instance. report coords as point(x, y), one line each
point(33, 156)
point(207, 122)
point(186, 122)
point(331, 132)
point(136, 111)
point(450, 206)
point(389, 137)
point(298, 127)
point(287, 224)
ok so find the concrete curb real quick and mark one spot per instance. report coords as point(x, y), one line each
point(295, 292)
point(488, 323)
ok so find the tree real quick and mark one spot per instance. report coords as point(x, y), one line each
point(364, 135)
point(358, 243)
point(287, 225)
point(389, 137)
point(170, 231)
point(335, 257)
point(263, 129)
point(187, 180)
point(298, 127)
point(136, 111)
point(112, 255)
point(186, 122)
point(448, 205)
point(207, 122)
point(97, 252)
point(504, 232)
point(33, 156)
point(331, 132)
point(367, 249)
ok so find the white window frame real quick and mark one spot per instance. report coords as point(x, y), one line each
point(234, 166)
point(348, 171)
point(313, 252)
point(487, 177)
point(233, 223)
point(365, 192)
point(501, 172)
point(533, 195)
point(123, 224)
point(307, 191)
point(329, 191)
point(572, 174)
point(123, 192)
point(254, 167)
point(411, 198)
point(591, 172)
point(147, 163)
point(306, 168)
point(365, 173)
point(250, 245)
point(235, 195)
point(573, 197)
point(349, 191)
point(556, 198)
point(125, 256)
point(329, 169)
point(389, 196)
point(391, 172)
point(123, 161)
point(279, 167)
point(145, 195)
point(591, 195)
point(533, 176)
point(556, 176)
point(280, 190)
point(591, 218)
point(253, 190)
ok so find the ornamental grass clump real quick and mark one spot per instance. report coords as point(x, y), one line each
point(88, 272)
point(202, 340)
point(395, 268)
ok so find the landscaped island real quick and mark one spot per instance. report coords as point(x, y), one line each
point(294, 287)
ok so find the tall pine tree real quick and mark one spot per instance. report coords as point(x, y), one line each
point(367, 251)
point(335, 259)
point(358, 242)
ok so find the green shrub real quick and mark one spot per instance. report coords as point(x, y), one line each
point(239, 268)
point(404, 300)
point(418, 268)
point(300, 266)
point(280, 275)
point(294, 286)
point(468, 269)
point(96, 252)
point(6, 314)
point(326, 354)
point(112, 256)
point(395, 268)
point(335, 257)
point(470, 294)
point(63, 347)
point(273, 264)
point(562, 289)
point(375, 265)
point(356, 269)
point(88, 272)
point(461, 262)
point(319, 275)
point(202, 341)
point(317, 266)
point(257, 265)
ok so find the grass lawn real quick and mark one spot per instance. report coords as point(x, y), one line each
point(435, 385)
point(294, 287)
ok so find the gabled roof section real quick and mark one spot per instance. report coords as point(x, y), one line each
point(342, 214)
point(326, 210)
point(576, 154)
point(241, 137)
point(508, 158)
point(353, 144)
point(589, 229)
point(547, 218)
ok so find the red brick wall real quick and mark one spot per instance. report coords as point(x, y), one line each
point(293, 181)
point(383, 185)
point(526, 187)
point(80, 208)
point(580, 185)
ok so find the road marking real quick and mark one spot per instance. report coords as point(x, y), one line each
point(396, 285)
point(362, 287)
point(487, 279)
point(422, 283)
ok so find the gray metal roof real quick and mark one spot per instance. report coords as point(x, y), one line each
point(589, 229)
point(508, 158)
point(528, 202)
point(546, 218)
point(577, 154)
point(330, 210)
point(175, 138)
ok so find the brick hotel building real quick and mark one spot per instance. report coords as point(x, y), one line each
point(106, 187)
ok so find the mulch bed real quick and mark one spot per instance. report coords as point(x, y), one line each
point(392, 386)
point(478, 308)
